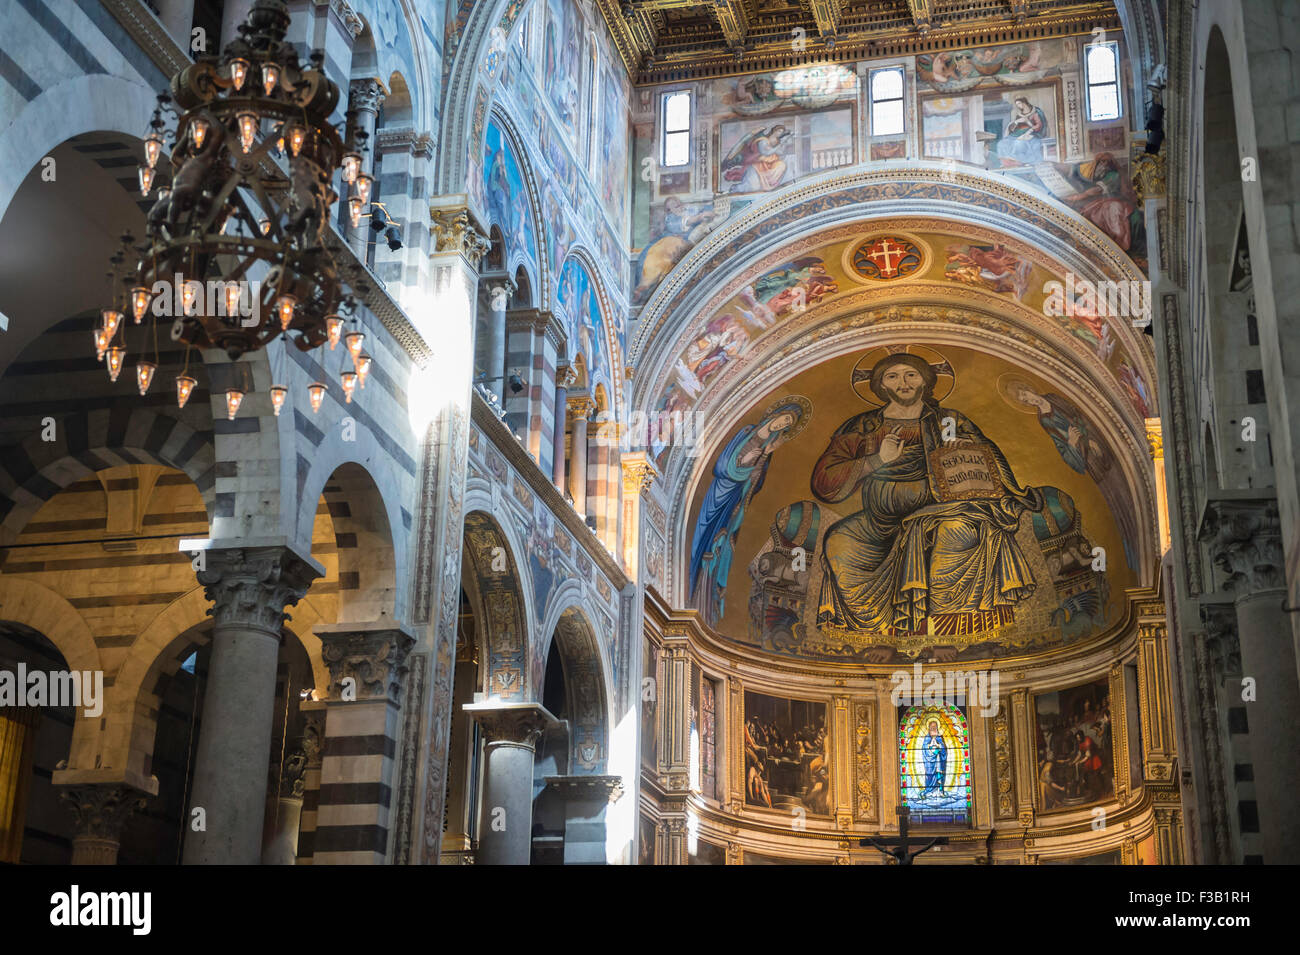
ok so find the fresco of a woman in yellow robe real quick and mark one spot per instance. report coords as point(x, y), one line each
point(913, 553)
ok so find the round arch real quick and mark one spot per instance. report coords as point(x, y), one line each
point(586, 679)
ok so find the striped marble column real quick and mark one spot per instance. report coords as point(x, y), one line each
point(535, 340)
point(367, 664)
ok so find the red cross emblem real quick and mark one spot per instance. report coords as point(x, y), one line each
point(886, 255)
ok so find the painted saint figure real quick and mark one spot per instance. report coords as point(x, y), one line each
point(757, 164)
point(914, 553)
point(737, 477)
point(934, 754)
point(1025, 133)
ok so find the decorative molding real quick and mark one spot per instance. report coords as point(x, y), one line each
point(600, 788)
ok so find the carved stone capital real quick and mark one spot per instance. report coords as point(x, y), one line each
point(1149, 174)
point(592, 788)
point(365, 95)
point(372, 654)
point(566, 377)
point(453, 231)
point(99, 810)
point(520, 724)
point(250, 587)
point(638, 473)
point(580, 407)
point(1245, 540)
point(1155, 438)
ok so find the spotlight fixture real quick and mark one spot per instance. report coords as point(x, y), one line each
point(515, 382)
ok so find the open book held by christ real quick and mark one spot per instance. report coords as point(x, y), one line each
point(965, 472)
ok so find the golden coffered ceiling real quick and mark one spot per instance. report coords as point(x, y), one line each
point(666, 40)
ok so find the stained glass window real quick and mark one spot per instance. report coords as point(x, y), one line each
point(708, 737)
point(934, 763)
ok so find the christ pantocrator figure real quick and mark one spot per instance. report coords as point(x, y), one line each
point(912, 553)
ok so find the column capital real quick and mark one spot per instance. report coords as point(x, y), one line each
point(454, 231)
point(1245, 539)
point(580, 407)
point(99, 810)
point(638, 472)
point(372, 654)
point(519, 723)
point(366, 94)
point(565, 377)
point(250, 586)
point(606, 788)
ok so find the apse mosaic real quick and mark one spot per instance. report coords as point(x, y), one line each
point(1076, 761)
point(934, 764)
point(787, 754)
point(899, 501)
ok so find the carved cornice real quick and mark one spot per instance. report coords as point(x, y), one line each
point(1245, 540)
point(520, 724)
point(250, 587)
point(373, 655)
point(540, 321)
point(100, 809)
point(600, 788)
point(347, 16)
point(454, 231)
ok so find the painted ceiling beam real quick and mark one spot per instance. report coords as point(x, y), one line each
point(731, 17)
point(827, 15)
point(922, 16)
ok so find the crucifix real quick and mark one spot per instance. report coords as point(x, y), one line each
point(897, 848)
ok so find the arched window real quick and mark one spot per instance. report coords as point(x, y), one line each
point(934, 763)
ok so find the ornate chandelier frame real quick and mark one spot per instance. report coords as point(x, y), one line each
point(231, 206)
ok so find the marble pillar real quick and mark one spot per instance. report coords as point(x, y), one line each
point(1244, 536)
point(364, 99)
point(565, 378)
point(580, 408)
point(368, 669)
point(490, 352)
point(99, 811)
point(249, 589)
point(510, 735)
point(586, 798)
point(447, 326)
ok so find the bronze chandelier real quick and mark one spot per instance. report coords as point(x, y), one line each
point(249, 192)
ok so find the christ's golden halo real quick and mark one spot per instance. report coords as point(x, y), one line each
point(861, 378)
